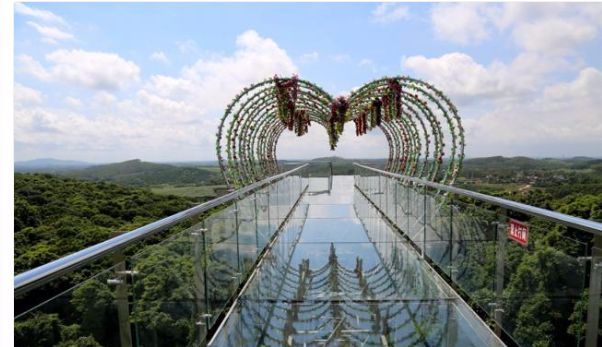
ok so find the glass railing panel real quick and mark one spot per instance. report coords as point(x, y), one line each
point(248, 233)
point(530, 290)
point(221, 226)
point(473, 258)
point(536, 290)
point(391, 198)
point(85, 315)
point(544, 284)
point(170, 289)
point(416, 215)
point(438, 245)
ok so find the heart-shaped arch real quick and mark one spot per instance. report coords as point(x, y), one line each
point(421, 125)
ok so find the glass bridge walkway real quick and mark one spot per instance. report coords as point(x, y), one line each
point(339, 275)
point(373, 259)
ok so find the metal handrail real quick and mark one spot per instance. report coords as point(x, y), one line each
point(34, 278)
point(564, 219)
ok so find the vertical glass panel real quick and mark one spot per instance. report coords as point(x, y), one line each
point(169, 290)
point(87, 314)
point(474, 252)
point(248, 233)
point(439, 245)
point(543, 284)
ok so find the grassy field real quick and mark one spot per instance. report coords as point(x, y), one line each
point(189, 191)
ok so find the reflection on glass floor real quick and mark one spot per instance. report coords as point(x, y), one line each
point(338, 275)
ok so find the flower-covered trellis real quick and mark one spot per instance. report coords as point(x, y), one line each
point(422, 127)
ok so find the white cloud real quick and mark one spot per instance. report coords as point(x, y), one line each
point(73, 102)
point(554, 35)
point(390, 12)
point(220, 78)
point(550, 28)
point(28, 65)
point(50, 34)
point(309, 57)
point(26, 95)
point(462, 23)
point(159, 57)
point(564, 120)
point(104, 99)
point(187, 47)
point(93, 70)
point(168, 118)
point(42, 15)
point(466, 81)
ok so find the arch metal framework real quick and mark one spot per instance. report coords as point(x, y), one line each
point(422, 127)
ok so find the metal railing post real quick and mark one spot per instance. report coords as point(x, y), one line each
point(200, 282)
point(498, 311)
point(592, 327)
point(236, 227)
point(121, 300)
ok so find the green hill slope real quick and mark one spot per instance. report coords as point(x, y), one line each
point(140, 173)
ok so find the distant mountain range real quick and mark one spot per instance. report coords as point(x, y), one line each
point(140, 173)
point(132, 172)
point(526, 163)
point(49, 165)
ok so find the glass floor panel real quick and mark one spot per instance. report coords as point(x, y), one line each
point(342, 280)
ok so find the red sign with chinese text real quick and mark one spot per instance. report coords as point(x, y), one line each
point(518, 231)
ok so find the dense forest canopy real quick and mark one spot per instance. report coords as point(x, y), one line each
point(55, 216)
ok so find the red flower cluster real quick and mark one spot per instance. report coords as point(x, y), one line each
point(287, 90)
point(338, 109)
point(360, 124)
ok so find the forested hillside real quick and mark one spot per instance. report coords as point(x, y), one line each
point(139, 173)
point(55, 216)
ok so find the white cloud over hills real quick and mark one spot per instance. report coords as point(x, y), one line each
point(168, 116)
point(93, 70)
point(75, 101)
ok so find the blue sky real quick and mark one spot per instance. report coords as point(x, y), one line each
point(109, 81)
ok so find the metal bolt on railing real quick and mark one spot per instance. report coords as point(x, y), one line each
point(115, 281)
point(126, 273)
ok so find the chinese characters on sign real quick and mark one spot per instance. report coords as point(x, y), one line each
point(518, 231)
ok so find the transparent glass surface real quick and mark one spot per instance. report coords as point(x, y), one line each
point(85, 315)
point(338, 274)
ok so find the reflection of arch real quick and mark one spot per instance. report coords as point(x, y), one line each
point(422, 127)
point(284, 307)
